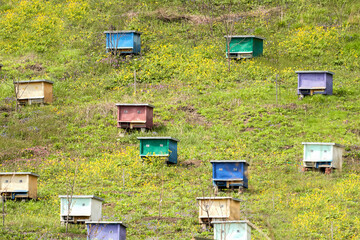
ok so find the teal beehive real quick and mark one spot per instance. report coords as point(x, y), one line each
point(232, 230)
point(322, 156)
point(165, 147)
point(244, 46)
point(80, 208)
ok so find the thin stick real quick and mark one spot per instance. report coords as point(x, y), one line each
point(134, 81)
point(259, 230)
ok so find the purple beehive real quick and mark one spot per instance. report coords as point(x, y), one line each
point(105, 230)
point(315, 82)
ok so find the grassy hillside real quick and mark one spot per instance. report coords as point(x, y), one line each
point(216, 113)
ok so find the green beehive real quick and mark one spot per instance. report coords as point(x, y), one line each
point(159, 147)
point(244, 46)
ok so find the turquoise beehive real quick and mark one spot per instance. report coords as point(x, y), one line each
point(232, 230)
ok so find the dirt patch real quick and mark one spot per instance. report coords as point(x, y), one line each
point(37, 67)
point(167, 15)
point(166, 219)
point(192, 116)
point(287, 146)
point(249, 129)
point(110, 205)
point(37, 151)
point(191, 163)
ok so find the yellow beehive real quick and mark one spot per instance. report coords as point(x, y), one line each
point(18, 184)
point(36, 91)
point(218, 208)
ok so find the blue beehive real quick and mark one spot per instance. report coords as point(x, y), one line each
point(123, 42)
point(315, 82)
point(230, 174)
point(105, 230)
point(159, 147)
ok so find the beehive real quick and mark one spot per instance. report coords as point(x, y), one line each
point(123, 42)
point(165, 147)
point(232, 230)
point(230, 174)
point(218, 208)
point(35, 91)
point(105, 230)
point(82, 208)
point(19, 184)
point(323, 155)
point(315, 82)
point(244, 46)
point(135, 116)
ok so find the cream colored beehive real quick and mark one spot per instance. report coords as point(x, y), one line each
point(218, 208)
point(35, 91)
point(18, 184)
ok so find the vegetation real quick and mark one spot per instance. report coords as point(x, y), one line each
point(216, 113)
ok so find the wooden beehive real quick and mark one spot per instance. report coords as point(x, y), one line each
point(230, 174)
point(315, 82)
point(18, 184)
point(325, 156)
point(82, 208)
point(244, 46)
point(165, 147)
point(123, 42)
point(218, 208)
point(35, 91)
point(232, 230)
point(105, 230)
point(135, 116)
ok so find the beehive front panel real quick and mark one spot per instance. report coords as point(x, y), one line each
point(119, 40)
point(11, 183)
point(318, 153)
point(312, 80)
point(231, 231)
point(241, 45)
point(132, 113)
point(151, 147)
point(29, 90)
point(228, 170)
point(78, 207)
point(103, 231)
point(214, 208)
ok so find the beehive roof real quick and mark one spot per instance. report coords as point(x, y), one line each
point(33, 81)
point(216, 161)
point(217, 198)
point(171, 138)
point(315, 72)
point(243, 36)
point(105, 222)
point(82, 196)
point(135, 104)
point(233, 221)
point(321, 143)
point(123, 31)
point(19, 173)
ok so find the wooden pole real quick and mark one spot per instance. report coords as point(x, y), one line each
point(259, 230)
point(277, 75)
point(134, 81)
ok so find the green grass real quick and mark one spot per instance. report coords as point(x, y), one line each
point(215, 113)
